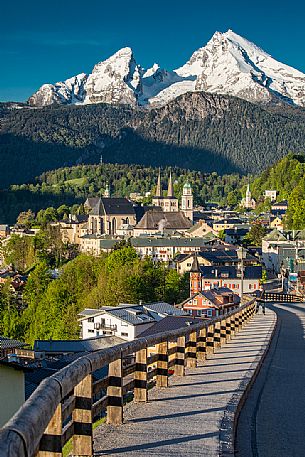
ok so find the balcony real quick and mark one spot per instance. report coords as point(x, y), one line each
point(103, 326)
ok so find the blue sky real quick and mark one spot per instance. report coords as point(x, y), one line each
point(44, 41)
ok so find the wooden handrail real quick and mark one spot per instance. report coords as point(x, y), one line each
point(70, 395)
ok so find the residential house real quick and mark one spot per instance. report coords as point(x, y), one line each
point(224, 224)
point(271, 194)
point(277, 223)
point(125, 321)
point(210, 277)
point(236, 235)
point(165, 249)
point(201, 229)
point(95, 244)
point(73, 229)
point(4, 230)
point(279, 208)
point(214, 255)
point(211, 303)
point(270, 249)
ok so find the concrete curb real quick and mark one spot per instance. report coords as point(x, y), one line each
point(229, 421)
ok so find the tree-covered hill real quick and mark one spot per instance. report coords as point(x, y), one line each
point(72, 185)
point(199, 131)
point(287, 177)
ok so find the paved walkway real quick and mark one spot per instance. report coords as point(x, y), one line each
point(272, 423)
point(184, 419)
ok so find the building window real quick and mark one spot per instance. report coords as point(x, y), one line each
point(90, 331)
point(91, 319)
point(124, 334)
point(209, 312)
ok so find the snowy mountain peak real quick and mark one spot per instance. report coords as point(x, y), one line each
point(228, 64)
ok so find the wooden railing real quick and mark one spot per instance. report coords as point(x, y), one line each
point(65, 405)
point(283, 298)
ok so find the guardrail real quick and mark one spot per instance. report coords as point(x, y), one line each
point(283, 298)
point(65, 405)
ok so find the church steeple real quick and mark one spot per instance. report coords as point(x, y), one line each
point(159, 188)
point(170, 190)
point(107, 190)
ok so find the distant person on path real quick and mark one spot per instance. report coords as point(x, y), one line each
point(260, 304)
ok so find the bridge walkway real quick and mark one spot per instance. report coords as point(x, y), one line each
point(272, 422)
point(185, 419)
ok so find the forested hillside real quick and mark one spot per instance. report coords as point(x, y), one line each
point(205, 132)
point(287, 177)
point(53, 305)
point(72, 185)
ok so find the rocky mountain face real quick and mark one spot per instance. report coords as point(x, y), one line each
point(229, 65)
point(197, 130)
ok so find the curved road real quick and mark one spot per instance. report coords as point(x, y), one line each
point(272, 421)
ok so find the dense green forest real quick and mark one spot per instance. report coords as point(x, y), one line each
point(287, 176)
point(199, 131)
point(72, 185)
point(87, 281)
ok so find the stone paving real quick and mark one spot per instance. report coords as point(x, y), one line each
point(184, 419)
point(272, 422)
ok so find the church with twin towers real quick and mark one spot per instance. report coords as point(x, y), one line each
point(169, 203)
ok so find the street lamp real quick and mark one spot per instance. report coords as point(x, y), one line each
point(241, 254)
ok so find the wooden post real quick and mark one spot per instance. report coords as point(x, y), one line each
point(115, 393)
point(202, 344)
point(191, 360)
point(243, 317)
point(217, 335)
point(82, 418)
point(140, 376)
point(223, 337)
point(179, 369)
point(51, 443)
point(162, 365)
point(236, 322)
point(232, 325)
point(228, 328)
point(210, 340)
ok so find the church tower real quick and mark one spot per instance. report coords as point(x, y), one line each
point(107, 190)
point(157, 200)
point(187, 201)
point(170, 202)
point(195, 277)
point(248, 202)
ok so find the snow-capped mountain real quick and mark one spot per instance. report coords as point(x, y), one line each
point(229, 64)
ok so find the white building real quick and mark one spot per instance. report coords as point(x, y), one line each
point(164, 249)
point(271, 194)
point(124, 321)
point(271, 245)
